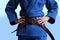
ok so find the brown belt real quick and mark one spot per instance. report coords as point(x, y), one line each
point(32, 21)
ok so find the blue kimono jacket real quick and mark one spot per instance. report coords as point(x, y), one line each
point(29, 9)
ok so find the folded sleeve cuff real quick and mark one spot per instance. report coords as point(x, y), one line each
point(51, 20)
point(13, 23)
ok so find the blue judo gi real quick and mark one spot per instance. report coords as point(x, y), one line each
point(30, 9)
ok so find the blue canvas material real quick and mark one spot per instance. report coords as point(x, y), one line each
point(29, 9)
point(31, 38)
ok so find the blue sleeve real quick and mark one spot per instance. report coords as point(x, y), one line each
point(10, 11)
point(52, 7)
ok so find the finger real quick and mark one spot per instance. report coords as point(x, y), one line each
point(22, 22)
point(38, 18)
point(22, 19)
point(40, 22)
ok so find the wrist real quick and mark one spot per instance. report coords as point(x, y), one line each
point(48, 17)
point(16, 21)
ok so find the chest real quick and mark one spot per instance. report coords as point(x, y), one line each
point(29, 2)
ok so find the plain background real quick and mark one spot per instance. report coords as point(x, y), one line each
point(6, 28)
